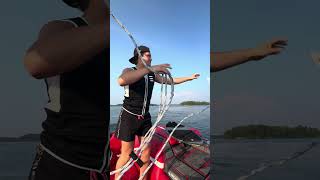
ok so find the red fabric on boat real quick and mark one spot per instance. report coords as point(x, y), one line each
point(155, 173)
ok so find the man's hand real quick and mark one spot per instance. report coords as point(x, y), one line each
point(162, 68)
point(269, 48)
point(194, 76)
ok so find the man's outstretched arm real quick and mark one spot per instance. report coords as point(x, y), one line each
point(223, 60)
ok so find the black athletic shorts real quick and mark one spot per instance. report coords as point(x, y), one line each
point(46, 167)
point(129, 125)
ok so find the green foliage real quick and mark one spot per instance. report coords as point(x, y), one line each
point(193, 103)
point(263, 132)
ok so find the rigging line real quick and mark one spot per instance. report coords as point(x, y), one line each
point(280, 162)
point(163, 107)
point(167, 140)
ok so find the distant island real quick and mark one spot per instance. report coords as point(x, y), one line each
point(122, 104)
point(194, 103)
point(24, 138)
point(265, 132)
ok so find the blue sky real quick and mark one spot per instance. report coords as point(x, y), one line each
point(177, 32)
point(281, 90)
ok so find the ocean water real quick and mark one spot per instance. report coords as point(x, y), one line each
point(175, 113)
point(235, 159)
point(16, 158)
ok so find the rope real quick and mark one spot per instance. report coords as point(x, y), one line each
point(165, 102)
point(280, 162)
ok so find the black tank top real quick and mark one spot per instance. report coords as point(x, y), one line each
point(137, 95)
point(76, 128)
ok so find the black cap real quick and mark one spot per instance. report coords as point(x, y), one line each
point(142, 49)
point(72, 3)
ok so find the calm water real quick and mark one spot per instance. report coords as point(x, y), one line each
point(175, 113)
point(236, 158)
point(16, 158)
point(232, 158)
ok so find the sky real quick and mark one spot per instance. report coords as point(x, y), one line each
point(281, 90)
point(177, 32)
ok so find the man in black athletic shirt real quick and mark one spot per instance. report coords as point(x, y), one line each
point(135, 118)
point(72, 56)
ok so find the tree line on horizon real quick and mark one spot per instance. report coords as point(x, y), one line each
point(264, 132)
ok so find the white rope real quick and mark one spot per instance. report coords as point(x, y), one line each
point(167, 140)
point(280, 162)
point(165, 103)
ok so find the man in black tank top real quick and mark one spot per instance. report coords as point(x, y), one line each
point(72, 56)
point(135, 119)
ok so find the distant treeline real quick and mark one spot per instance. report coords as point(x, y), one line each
point(192, 103)
point(122, 104)
point(263, 132)
point(27, 137)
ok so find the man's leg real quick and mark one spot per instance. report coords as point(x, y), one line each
point(145, 158)
point(126, 149)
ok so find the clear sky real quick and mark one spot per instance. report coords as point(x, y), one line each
point(284, 89)
point(177, 32)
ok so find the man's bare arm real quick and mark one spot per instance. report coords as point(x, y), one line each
point(61, 47)
point(223, 60)
point(177, 80)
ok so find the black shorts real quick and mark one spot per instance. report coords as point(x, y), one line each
point(129, 125)
point(46, 167)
